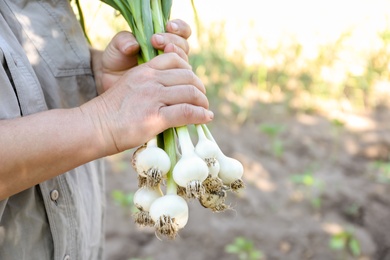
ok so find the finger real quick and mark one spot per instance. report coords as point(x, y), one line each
point(184, 114)
point(179, 27)
point(177, 32)
point(175, 77)
point(116, 56)
point(161, 40)
point(173, 48)
point(167, 61)
point(183, 94)
point(126, 43)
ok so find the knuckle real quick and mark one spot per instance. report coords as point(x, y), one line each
point(186, 47)
point(193, 94)
point(123, 37)
point(195, 81)
point(173, 55)
point(192, 78)
point(187, 111)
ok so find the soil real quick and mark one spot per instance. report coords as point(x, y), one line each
point(283, 214)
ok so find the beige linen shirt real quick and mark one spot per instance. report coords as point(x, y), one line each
point(45, 64)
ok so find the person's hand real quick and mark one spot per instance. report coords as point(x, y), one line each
point(146, 100)
point(121, 53)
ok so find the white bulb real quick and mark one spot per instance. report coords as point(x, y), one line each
point(152, 163)
point(145, 196)
point(206, 149)
point(172, 206)
point(230, 169)
point(214, 168)
point(190, 168)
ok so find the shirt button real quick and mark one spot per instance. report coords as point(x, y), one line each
point(67, 257)
point(54, 194)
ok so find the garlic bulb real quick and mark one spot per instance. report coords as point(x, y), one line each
point(190, 170)
point(231, 170)
point(208, 151)
point(145, 196)
point(170, 214)
point(143, 199)
point(152, 163)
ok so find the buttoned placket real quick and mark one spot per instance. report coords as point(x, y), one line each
point(54, 194)
point(56, 201)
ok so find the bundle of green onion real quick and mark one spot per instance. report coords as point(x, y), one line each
point(199, 172)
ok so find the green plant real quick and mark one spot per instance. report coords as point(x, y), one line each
point(346, 241)
point(313, 187)
point(124, 200)
point(121, 198)
point(273, 131)
point(306, 179)
point(383, 171)
point(244, 249)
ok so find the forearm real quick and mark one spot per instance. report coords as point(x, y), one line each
point(38, 147)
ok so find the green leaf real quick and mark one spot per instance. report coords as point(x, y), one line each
point(256, 255)
point(122, 198)
point(117, 196)
point(354, 246)
point(166, 6)
point(271, 130)
point(337, 243)
point(147, 21)
point(241, 242)
point(232, 249)
point(111, 3)
point(308, 180)
point(157, 16)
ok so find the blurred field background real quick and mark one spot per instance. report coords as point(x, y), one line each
point(298, 52)
point(301, 94)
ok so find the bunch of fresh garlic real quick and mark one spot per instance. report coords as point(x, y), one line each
point(201, 172)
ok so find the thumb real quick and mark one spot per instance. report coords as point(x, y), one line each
point(121, 52)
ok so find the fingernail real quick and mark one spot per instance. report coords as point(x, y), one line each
point(211, 114)
point(174, 26)
point(159, 39)
point(128, 46)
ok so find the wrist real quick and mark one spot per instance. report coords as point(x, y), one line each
point(95, 114)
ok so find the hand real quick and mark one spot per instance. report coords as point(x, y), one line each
point(121, 53)
point(145, 101)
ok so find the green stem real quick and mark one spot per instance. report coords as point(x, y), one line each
point(157, 15)
point(82, 21)
point(158, 19)
point(208, 133)
point(148, 30)
point(170, 149)
point(197, 21)
point(200, 131)
point(187, 147)
point(166, 6)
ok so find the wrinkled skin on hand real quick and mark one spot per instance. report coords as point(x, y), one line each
point(139, 102)
point(121, 53)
